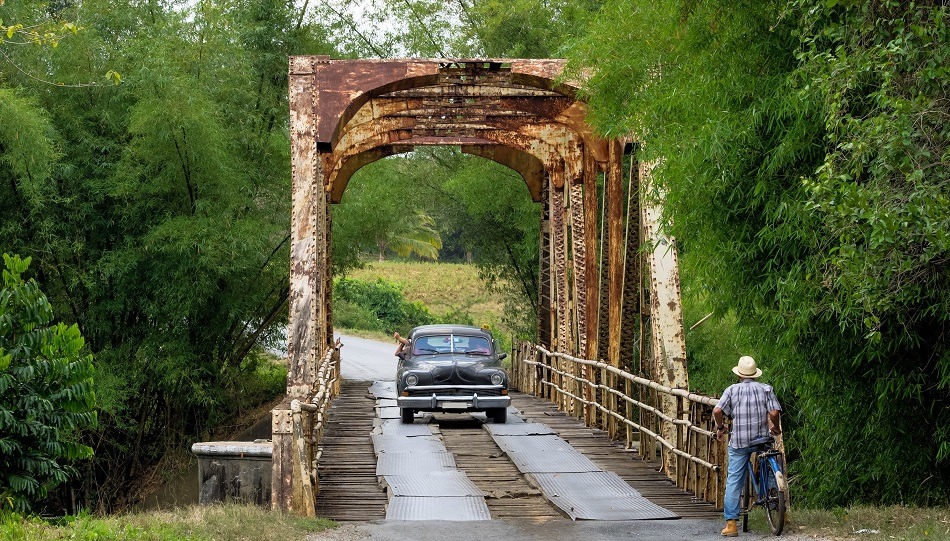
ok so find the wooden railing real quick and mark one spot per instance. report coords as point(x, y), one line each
point(635, 408)
point(308, 425)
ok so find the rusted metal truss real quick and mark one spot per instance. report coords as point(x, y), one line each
point(345, 114)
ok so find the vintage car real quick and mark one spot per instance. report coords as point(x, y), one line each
point(452, 368)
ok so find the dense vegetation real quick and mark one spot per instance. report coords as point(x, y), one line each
point(375, 306)
point(804, 147)
point(155, 210)
point(806, 162)
point(46, 394)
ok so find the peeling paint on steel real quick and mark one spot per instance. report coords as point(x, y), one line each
point(666, 316)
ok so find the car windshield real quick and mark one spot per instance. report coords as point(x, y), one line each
point(451, 343)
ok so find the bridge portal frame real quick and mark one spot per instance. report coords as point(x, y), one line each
point(345, 114)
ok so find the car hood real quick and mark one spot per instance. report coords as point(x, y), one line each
point(454, 369)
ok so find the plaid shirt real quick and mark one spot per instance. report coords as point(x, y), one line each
point(748, 403)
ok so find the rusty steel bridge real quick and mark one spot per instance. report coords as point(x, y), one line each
point(608, 366)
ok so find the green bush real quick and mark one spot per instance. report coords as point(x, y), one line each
point(378, 305)
point(46, 394)
point(261, 379)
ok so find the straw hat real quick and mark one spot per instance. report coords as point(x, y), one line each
point(746, 368)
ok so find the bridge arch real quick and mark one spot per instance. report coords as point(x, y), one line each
point(345, 114)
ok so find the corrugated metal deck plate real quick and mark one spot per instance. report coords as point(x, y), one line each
point(395, 427)
point(383, 443)
point(598, 496)
point(383, 389)
point(449, 508)
point(437, 484)
point(520, 429)
point(414, 463)
point(388, 413)
point(553, 462)
point(532, 444)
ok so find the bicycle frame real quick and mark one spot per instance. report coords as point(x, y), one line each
point(759, 480)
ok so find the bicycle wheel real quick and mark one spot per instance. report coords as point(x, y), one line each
point(746, 499)
point(774, 500)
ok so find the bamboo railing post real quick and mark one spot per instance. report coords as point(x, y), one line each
point(680, 444)
point(628, 413)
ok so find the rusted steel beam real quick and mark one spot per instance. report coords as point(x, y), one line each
point(567, 112)
point(348, 84)
point(282, 458)
point(327, 321)
point(551, 147)
point(579, 265)
point(591, 209)
point(307, 224)
point(615, 251)
point(559, 270)
point(544, 269)
point(669, 346)
point(467, 91)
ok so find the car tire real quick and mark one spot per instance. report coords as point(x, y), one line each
point(407, 415)
point(498, 415)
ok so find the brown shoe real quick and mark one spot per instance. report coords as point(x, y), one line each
point(731, 529)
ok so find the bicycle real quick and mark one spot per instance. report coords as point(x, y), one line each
point(768, 484)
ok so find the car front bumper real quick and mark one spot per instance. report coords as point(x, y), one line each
point(465, 398)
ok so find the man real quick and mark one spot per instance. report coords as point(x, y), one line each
point(755, 412)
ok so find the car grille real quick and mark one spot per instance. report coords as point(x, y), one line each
point(456, 392)
point(460, 376)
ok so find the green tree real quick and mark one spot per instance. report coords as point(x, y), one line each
point(383, 212)
point(804, 150)
point(46, 392)
point(155, 211)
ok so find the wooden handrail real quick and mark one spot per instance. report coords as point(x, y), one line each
point(692, 397)
point(600, 395)
point(308, 425)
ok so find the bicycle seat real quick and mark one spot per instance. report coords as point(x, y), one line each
point(762, 441)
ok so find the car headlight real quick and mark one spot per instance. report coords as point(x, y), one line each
point(412, 379)
point(497, 378)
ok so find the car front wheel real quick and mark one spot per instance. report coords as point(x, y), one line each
point(407, 415)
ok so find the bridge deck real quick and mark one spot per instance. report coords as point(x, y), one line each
point(350, 491)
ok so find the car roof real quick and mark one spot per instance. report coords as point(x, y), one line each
point(425, 330)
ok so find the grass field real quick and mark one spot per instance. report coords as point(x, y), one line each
point(194, 523)
point(444, 288)
point(868, 523)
